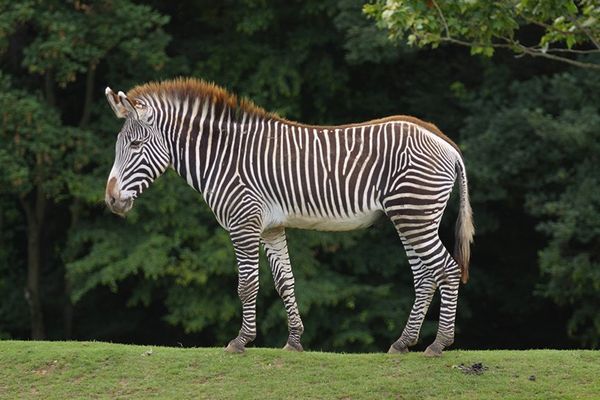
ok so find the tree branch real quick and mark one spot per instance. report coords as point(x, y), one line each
point(557, 50)
point(511, 44)
point(547, 26)
point(592, 38)
point(538, 53)
point(439, 10)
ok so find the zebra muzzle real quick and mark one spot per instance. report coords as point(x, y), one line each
point(121, 207)
point(114, 201)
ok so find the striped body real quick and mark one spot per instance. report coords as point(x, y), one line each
point(330, 179)
point(261, 174)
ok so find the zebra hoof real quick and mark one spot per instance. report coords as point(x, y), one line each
point(397, 350)
point(233, 347)
point(434, 350)
point(293, 347)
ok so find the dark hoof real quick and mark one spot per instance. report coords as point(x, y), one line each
point(434, 350)
point(234, 347)
point(397, 349)
point(293, 347)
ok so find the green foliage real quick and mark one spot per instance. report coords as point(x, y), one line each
point(49, 161)
point(363, 41)
point(547, 131)
point(12, 14)
point(161, 246)
point(486, 25)
point(36, 150)
point(74, 37)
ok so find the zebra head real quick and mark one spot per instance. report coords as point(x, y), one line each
point(141, 154)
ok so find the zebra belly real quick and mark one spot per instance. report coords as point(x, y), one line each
point(358, 220)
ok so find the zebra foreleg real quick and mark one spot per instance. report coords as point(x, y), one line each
point(275, 245)
point(246, 243)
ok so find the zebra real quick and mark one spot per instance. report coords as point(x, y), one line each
point(260, 174)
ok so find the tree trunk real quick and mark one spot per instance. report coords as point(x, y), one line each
point(32, 292)
point(89, 96)
point(35, 217)
point(68, 310)
point(69, 307)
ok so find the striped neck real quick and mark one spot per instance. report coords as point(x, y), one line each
point(201, 137)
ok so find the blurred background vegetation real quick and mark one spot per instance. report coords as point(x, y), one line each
point(528, 124)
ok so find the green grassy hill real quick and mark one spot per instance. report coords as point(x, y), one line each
point(71, 370)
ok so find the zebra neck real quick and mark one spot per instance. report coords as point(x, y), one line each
point(205, 142)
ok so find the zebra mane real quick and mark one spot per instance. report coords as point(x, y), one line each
point(193, 88)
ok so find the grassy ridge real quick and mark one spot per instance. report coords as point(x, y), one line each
point(70, 370)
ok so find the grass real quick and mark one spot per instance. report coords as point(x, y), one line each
point(90, 370)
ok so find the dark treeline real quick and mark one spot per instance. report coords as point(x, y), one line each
point(529, 130)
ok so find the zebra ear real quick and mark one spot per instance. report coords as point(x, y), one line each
point(135, 109)
point(115, 103)
point(130, 109)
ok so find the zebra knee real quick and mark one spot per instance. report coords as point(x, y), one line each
point(285, 288)
point(245, 296)
point(247, 291)
point(453, 273)
point(448, 274)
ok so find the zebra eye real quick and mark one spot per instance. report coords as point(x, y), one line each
point(136, 144)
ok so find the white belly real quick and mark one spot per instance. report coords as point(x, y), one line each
point(356, 221)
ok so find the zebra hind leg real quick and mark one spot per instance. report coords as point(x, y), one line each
point(444, 271)
point(448, 280)
point(275, 245)
point(418, 226)
point(424, 289)
point(246, 242)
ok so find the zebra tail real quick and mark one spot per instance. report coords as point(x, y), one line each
point(464, 225)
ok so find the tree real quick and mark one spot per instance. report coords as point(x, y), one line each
point(564, 28)
point(45, 144)
point(532, 148)
point(32, 156)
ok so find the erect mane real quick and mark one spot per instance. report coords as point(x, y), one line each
point(192, 88)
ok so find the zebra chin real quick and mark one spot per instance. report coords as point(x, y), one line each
point(120, 207)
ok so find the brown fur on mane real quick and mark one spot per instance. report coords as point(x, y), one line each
point(197, 88)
